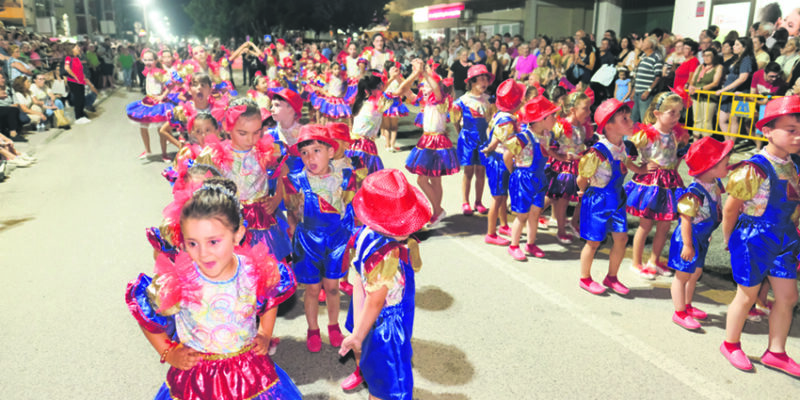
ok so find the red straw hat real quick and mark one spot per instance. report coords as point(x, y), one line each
point(388, 204)
point(339, 131)
point(536, 110)
point(292, 98)
point(606, 110)
point(478, 70)
point(778, 108)
point(314, 132)
point(509, 95)
point(705, 153)
point(282, 42)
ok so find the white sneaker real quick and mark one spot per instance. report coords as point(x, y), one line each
point(82, 121)
point(27, 157)
point(20, 163)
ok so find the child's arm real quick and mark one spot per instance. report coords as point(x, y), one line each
point(177, 355)
point(373, 304)
point(265, 328)
point(687, 253)
point(730, 214)
point(636, 169)
point(630, 92)
point(271, 203)
point(492, 146)
point(508, 160)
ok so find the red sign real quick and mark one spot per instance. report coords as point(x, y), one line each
point(701, 9)
point(445, 11)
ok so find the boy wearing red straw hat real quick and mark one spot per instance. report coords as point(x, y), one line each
point(502, 128)
point(386, 260)
point(601, 173)
point(287, 108)
point(700, 210)
point(760, 229)
point(319, 197)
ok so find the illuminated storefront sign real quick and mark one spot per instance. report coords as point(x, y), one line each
point(438, 12)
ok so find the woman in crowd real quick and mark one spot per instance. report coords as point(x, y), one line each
point(706, 76)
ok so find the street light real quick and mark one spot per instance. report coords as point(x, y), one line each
point(144, 4)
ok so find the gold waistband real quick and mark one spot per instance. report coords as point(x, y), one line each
point(217, 356)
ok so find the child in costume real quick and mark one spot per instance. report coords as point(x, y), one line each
point(154, 107)
point(333, 106)
point(385, 260)
point(287, 108)
point(469, 114)
point(354, 67)
point(434, 156)
point(203, 130)
point(213, 287)
point(528, 184)
point(502, 127)
point(759, 226)
point(200, 102)
point(570, 136)
point(368, 114)
point(700, 209)
point(651, 196)
point(260, 93)
point(319, 197)
point(397, 109)
point(601, 173)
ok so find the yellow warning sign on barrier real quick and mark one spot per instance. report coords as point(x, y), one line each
point(743, 108)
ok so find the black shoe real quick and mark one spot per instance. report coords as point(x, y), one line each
point(19, 138)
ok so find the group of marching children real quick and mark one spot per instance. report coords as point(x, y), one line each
point(261, 203)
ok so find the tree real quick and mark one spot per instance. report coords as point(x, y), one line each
point(224, 18)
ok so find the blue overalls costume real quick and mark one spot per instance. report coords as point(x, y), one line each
point(473, 132)
point(701, 232)
point(294, 163)
point(767, 245)
point(321, 237)
point(386, 351)
point(496, 172)
point(528, 184)
point(603, 208)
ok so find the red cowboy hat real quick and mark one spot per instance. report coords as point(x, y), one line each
point(705, 153)
point(536, 110)
point(478, 70)
point(509, 95)
point(606, 110)
point(314, 132)
point(778, 108)
point(388, 204)
point(339, 131)
point(292, 98)
point(282, 42)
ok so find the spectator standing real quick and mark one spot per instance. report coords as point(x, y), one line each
point(125, 60)
point(77, 83)
point(524, 64)
point(94, 65)
point(737, 80)
point(759, 50)
point(685, 69)
point(706, 76)
point(505, 61)
point(476, 54)
point(648, 74)
point(788, 60)
point(458, 71)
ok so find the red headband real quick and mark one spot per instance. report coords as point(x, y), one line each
point(232, 115)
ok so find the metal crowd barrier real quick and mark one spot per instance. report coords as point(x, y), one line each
point(745, 107)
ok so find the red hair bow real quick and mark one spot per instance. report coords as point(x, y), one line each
point(232, 115)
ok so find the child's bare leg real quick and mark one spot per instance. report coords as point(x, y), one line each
point(311, 306)
point(617, 252)
point(560, 212)
point(392, 131)
point(163, 142)
point(466, 183)
point(533, 224)
point(691, 284)
point(576, 217)
point(480, 182)
point(331, 287)
point(166, 132)
point(494, 210)
point(679, 289)
point(587, 257)
point(503, 211)
point(639, 239)
point(516, 228)
point(662, 230)
point(780, 317)
point(737, 312)
point(425, 185)
point(436, 185)
point(145, 138)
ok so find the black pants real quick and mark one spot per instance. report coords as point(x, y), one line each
point(77, 94)
point(9, 119)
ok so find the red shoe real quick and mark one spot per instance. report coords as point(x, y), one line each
point(661, 269)
point(313, 341)
point(591, 287)
point(564, 239)
point(687, 322)
point(322, 296)
point(273, 346)
point(781, 362)
point(143, 155)
point(516, 253)
point(335, 335)
point(696, 313)
point(737, 358)
point(466, 209)
point(496, 240)
point(754, 315)
point(616, 286)
point(534, 250)
point(353, 381)
point(481, 209)
point(543, 223)
point(644, 271)
point(346, 287)
point(504, 230)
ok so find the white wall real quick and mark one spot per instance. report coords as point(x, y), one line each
point(684, 20)
point(609, 16)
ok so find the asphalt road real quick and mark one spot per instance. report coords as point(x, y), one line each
point(487, 327)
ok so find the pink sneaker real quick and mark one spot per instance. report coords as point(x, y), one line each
point(534, 250)
point(781, 362)
point(687, 322)
point(543, 223)
point(496, 240)
point(616, 286)
point(143, 155)
point(754, 315)
point(737, 358)
point(335, 335)
point(481, 209)
point(504, 230)
point(644, 271)
point(564, 239)
point(273, 346)
point(346, 287)
point(353, 381)
point(696, 313)
point(661, 269)
point(516, 253)
point(592, 287)
point(322, 296)
point(466, 209)
point(313, 341)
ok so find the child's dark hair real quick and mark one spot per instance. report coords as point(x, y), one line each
point(202, 78)
point(216, 199)
point(620, 111)
point(252, 110)
point(626, 72)
point(366, 85)
point(200, 170)
point(204, 116)
point(555, 93)
point(771, 124)
point(388, 65)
